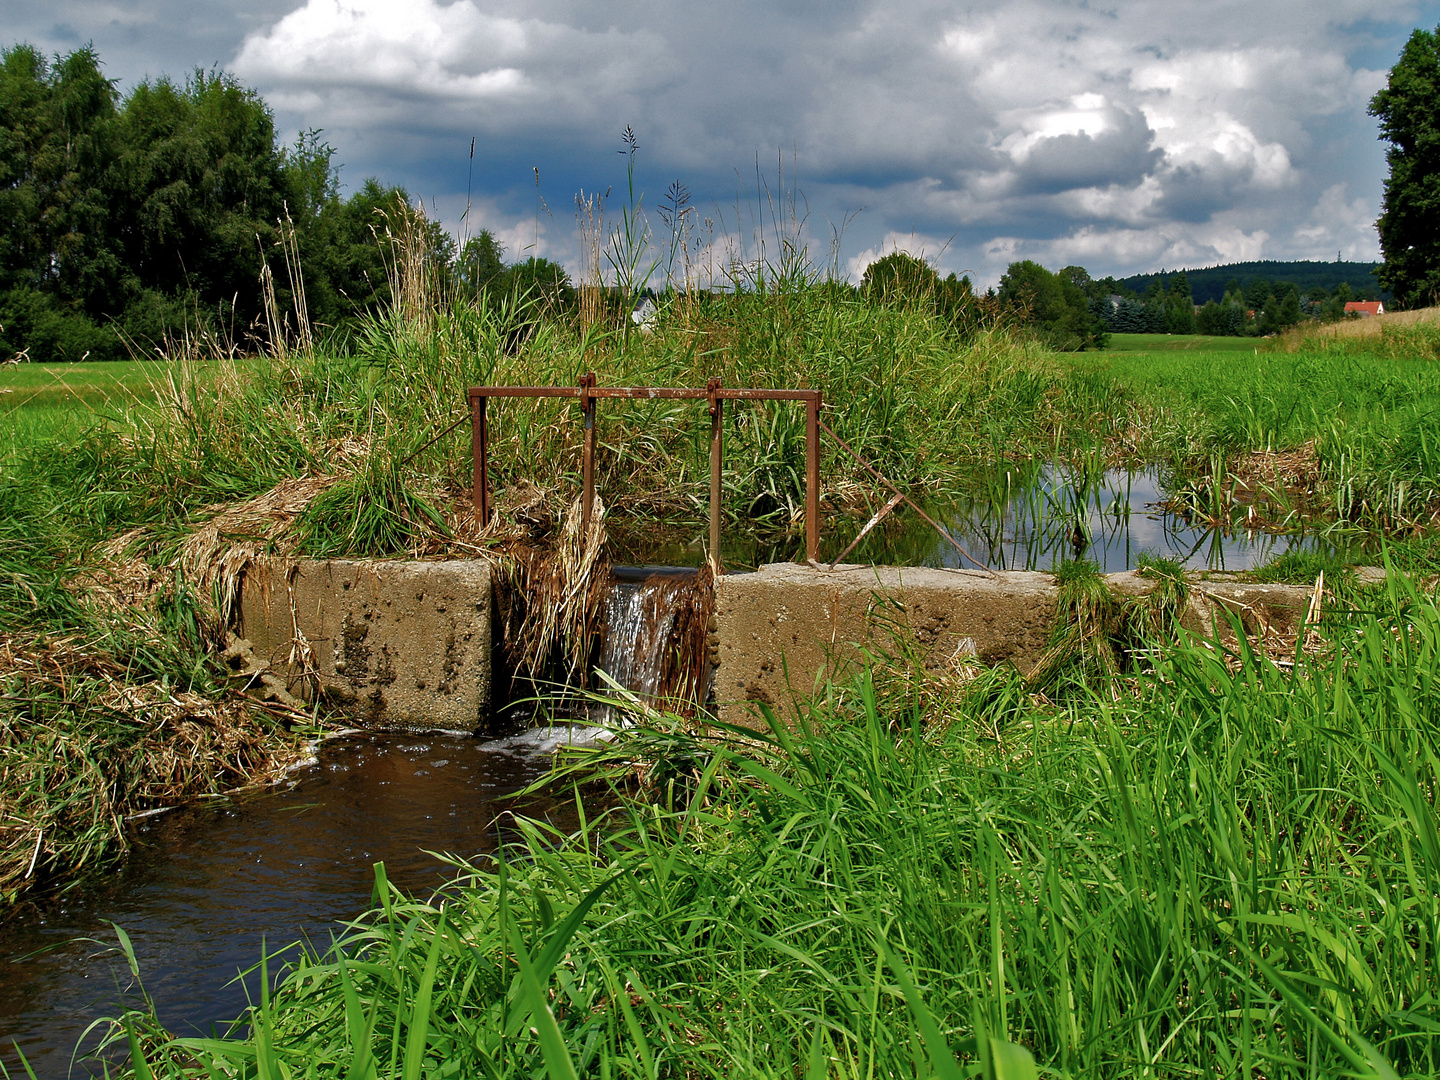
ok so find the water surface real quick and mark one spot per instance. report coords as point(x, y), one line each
point(1026, 517)
point(205, 885)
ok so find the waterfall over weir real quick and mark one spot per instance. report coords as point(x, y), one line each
point(653, 642)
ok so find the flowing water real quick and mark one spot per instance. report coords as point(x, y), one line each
point(204, 886)
point(638, 628)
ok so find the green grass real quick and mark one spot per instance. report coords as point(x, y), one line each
point(1231, 870)
point(1372, 419)
point(1200, 343)
point(56, 403)
point(112, 385)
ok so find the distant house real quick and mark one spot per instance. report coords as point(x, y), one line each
point(1365, 308)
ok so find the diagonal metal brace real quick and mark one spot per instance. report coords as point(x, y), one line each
point(880, 515)
point(875, 473)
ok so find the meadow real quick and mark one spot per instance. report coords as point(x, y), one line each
point(1203, 863)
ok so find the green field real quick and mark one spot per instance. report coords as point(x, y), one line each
point(1181, 343)
point(47, 403)
point(113, 386)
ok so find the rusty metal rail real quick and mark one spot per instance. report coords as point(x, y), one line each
point(588, 392)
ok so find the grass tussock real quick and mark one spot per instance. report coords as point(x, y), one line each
point(108, 713)
point(1233, 870)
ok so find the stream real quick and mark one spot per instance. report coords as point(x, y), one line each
point(1019, 518)
point(205, 885)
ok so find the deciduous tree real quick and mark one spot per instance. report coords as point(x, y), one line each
point(1409, 113)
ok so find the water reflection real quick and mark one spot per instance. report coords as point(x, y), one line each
point(1024, 517)
point(1031, 520)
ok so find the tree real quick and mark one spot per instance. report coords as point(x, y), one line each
point(901, 280)
point(1053, 304)
point(539, 288)
point(58, 269)
point(1409, 113)
point(198, 181)
point(480, 263)
point(1179, 306)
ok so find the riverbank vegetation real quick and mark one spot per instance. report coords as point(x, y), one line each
point(1230, 865)
point(1180, 867)
point(153, 476)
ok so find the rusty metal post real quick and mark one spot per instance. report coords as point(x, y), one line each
point(483, 465)
point(717, 451)
point(812, 478)
point(479, 460)
point(587, 413)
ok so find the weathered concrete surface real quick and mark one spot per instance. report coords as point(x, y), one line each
point(1266, 612)
point(405, 643)
point(783, 630)
point(410, 643)
point(787, 628)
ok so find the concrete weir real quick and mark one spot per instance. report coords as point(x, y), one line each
point(411, 643)
point(782, 631)
point(404, 643)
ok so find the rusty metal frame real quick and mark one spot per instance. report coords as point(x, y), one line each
point(589, 392)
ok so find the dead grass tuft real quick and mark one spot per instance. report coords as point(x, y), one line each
point(84, 746)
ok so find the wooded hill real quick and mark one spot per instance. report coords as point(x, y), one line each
point(1210, 282)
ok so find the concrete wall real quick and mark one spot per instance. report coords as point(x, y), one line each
point(410, 643)
point(406, 643)
point(786, 628)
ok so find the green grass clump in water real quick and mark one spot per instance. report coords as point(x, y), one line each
point(1303, 567)
point(1233, 870)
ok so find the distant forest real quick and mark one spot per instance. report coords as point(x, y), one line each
point(1211, 282)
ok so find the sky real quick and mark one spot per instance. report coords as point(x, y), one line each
point(1124, 136)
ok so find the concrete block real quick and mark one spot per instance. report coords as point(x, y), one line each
point(401, 643)
point(782, 631)
point(788, 628)
point(1266, 612)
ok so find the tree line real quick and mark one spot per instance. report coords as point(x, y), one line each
point(131, 221)
point(1070, 305)
point(1309, 276)
point(127, 222)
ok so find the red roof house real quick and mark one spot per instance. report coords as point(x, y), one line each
point(1364, 308)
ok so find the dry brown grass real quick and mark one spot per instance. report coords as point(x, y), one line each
point(65, 793)
point(1369, 326)
point(1285, 477)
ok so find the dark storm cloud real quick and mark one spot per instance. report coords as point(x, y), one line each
point(1123, 155)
